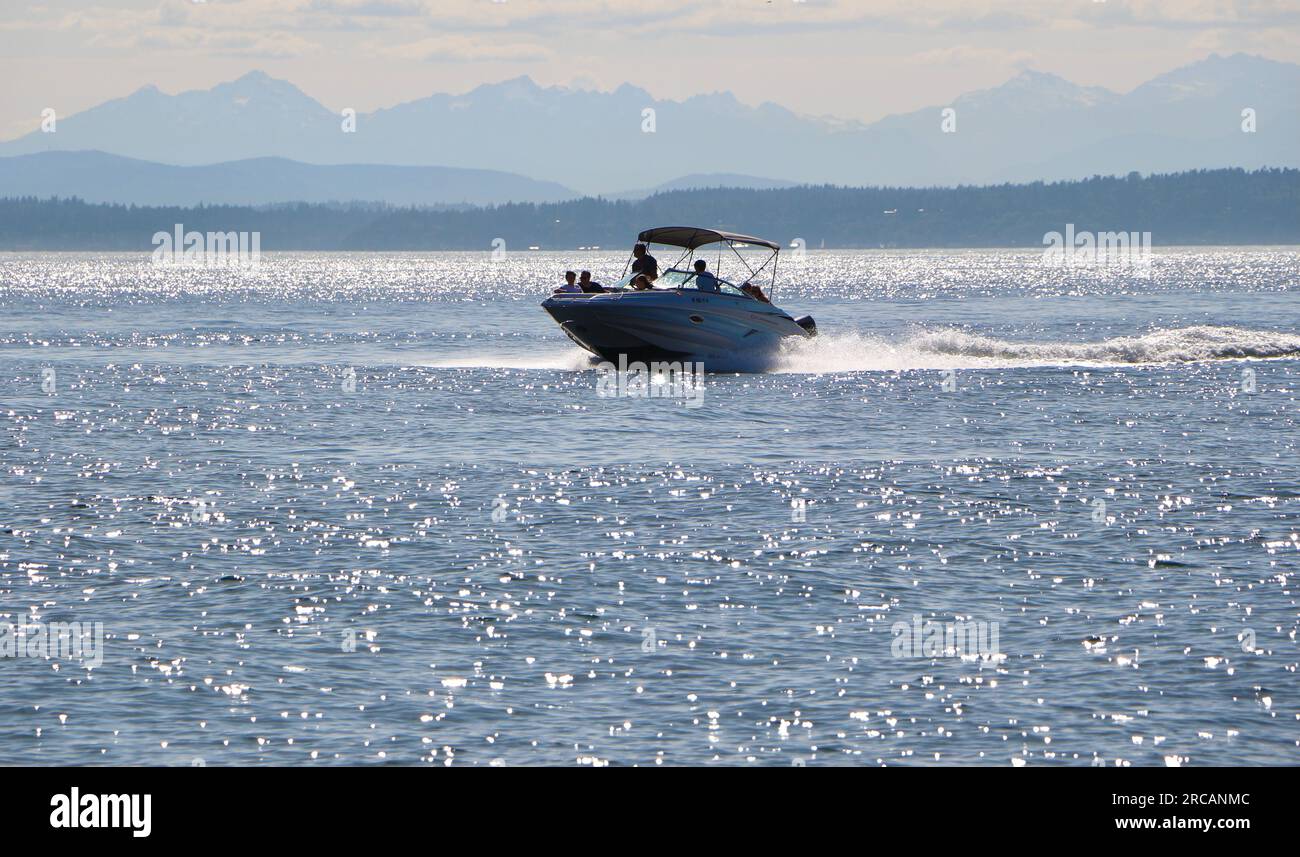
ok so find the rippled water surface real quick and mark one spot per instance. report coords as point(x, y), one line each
point(366, 509)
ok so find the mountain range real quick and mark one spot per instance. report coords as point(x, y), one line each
point(96, 176)
point(1036, 126)
point(100, 177)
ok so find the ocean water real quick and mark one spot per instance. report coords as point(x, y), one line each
point(369, 509)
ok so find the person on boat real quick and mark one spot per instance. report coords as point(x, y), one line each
point(704, 280)
point(585, 283)
point(640, 283)
point(644, 263)
point(755, 292)
point(570, 283)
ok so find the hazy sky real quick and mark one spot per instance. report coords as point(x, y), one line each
point(850, 58)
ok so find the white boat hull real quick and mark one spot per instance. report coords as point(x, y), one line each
point(677, 324)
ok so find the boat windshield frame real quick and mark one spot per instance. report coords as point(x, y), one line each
point(725, 287)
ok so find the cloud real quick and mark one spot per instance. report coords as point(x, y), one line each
point(218, 44)
point(543, 20)
point(462, 48)
point(370, 8)
point(247, 29)
point(966, 55)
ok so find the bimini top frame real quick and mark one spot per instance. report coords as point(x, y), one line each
point(690, 238)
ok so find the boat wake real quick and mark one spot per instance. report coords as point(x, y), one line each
point(946, 348)
point(950, 348)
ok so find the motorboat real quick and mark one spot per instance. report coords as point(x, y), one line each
point(683, 314)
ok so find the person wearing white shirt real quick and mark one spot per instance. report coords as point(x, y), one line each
point(570, 283)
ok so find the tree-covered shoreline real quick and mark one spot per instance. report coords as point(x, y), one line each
point(1228, 206)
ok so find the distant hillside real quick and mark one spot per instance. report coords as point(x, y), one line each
point(1034, 126)
point(101, 177)
point(700, 181)
point(1202, 207)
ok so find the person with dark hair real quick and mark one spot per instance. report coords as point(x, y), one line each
point(704, 280)
point(640, 283)
point(585, 283)
point(570, 283)
point(644, 263)
point(755, 292)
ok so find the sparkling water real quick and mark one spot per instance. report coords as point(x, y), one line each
point(360, 509)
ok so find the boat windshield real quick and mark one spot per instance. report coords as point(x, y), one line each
point(678, 279)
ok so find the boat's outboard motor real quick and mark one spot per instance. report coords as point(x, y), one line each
point(807, 323)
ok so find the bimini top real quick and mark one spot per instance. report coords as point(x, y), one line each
point(691, 237)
